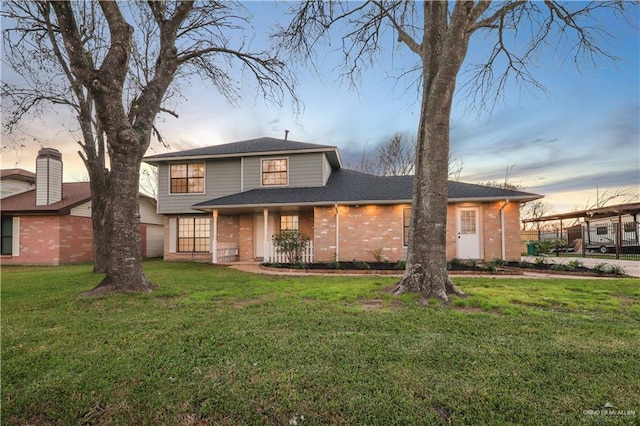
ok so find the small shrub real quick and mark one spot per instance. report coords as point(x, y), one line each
point(541, 260)
point(291, 243)
point(472, 263)
point(560, 267)
point(377, 254)
point(601, 268)
point(498, 262)
point(455, 262)
point(574, 264)
point(615, 270)
point(400, 265)
point(524, 265)
point(333, 265)
point(362, 265)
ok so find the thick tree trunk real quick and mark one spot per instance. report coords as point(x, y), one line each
point(99, 211)
point(426, 269)
point(124, 269)
point(100, 229)
point(442, 54)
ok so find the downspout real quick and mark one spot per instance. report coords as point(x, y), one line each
point(337, 234)
point(502, 236)
point(214, 237)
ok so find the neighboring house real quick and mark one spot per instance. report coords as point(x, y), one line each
point(51, 224)
point(224, 203)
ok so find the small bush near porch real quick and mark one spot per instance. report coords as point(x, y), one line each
point(218, 346)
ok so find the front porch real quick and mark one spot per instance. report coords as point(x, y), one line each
point(241, 235)
point(336, 233)
point(230, 253)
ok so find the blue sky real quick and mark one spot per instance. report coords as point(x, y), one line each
point(580, 137)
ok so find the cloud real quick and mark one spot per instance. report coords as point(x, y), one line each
point(612, 179)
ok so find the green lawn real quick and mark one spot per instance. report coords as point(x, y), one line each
point(221, 347)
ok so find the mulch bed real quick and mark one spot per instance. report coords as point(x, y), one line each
point(459, 268)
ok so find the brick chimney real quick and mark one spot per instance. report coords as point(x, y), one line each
point(48, 177)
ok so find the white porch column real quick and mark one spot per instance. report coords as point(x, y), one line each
point(265, 241)
point(214, 237)
point(503, 242)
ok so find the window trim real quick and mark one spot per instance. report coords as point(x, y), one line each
point(262, 160)
point(187, 163)
point(406, 226)
point(295, 222)
point(193, 238)
point(9, 236)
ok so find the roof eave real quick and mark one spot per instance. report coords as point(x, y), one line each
point(356, 202)
point(157, 160)
point(519, 198)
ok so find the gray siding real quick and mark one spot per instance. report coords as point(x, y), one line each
point(326, 169)
point(304, 170)
point(251, 173)
point(222, 177)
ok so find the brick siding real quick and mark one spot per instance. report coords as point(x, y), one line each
point(366, 229)
point(53, 240)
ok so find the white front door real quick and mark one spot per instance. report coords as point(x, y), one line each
point(468, 233)
point(259, 236)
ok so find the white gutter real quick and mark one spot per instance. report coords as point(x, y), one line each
point(360, 202)
point(502, 233)
point(337, 234)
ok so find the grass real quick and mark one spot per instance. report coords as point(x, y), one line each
point(218, 346)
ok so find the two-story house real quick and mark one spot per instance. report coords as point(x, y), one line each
point(224, 203)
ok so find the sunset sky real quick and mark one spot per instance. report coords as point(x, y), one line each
point(579, 139)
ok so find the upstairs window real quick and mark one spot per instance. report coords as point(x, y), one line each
point(187, 178)
point(193, 234)
point(274, 172)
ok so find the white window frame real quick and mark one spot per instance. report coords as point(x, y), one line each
point(204, 178)
point(193, 237)
point(262, 184)
point(295, 222)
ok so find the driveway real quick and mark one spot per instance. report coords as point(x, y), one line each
point(631, 267)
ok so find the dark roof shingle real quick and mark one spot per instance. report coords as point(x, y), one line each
point(73, 194)
point(251, 146)
point(348, 186)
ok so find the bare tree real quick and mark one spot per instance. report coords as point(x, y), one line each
point(149, 181)
point(456, 166)
point(611, 195)
point(119, 67)
point(506, 182)
point(34, 45)
point(438, 34)
point(533, 210)
point(397, 156)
